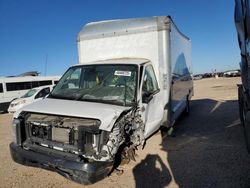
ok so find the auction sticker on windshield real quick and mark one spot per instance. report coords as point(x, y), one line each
point(122, 73)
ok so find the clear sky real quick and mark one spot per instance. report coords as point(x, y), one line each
point(32, 29)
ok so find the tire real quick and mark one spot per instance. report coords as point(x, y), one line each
point(247, 129)
point(244, 118)
point(241, 106)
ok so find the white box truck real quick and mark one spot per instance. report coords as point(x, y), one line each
point(133, 76)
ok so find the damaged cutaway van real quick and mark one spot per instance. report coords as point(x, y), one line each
point(133, 76)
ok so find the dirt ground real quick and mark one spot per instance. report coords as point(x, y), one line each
point(207, 149)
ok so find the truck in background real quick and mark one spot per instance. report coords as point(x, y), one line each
point(133, 76)
point(242, 23)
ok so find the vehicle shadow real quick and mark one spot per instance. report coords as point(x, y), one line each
point(150, 174)
point(207, 150)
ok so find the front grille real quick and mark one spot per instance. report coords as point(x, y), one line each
point(66, 133)
point(39, 131)
point(57, 134)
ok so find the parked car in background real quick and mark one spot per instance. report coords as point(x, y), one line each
point(220, 74)
point(207, 75)
point(232, 73)
point(197, 77)
point(31, 96)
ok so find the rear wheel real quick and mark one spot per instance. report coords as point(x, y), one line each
point(246, 120)
point(241, 105)
point(244, 117)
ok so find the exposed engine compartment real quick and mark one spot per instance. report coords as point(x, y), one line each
point(82, 136)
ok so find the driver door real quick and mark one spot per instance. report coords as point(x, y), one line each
point(152, 112)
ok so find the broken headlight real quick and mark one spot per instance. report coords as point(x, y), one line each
point(16, 131)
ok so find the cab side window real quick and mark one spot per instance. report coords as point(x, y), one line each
point(42, 93)
point(149, 81)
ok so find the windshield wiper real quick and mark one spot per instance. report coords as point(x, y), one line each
point(53, 96)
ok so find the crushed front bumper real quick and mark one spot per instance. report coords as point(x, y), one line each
point(81, 172)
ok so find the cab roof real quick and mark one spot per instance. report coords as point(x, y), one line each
point(131, 61)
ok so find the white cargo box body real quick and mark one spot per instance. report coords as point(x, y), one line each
point(155, 38)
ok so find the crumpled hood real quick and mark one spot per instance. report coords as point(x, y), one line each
point(107, 113)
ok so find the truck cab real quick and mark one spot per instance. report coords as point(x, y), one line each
point(93, 110)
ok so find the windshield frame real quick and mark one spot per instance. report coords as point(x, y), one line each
point(127, 104)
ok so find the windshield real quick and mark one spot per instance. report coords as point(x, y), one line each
point(114, 84)
point(30, 93)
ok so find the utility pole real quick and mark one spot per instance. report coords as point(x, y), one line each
point(45, 68)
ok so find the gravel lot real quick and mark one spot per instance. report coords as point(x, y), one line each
point(207, 149)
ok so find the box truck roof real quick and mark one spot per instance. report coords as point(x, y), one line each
point(110, 28)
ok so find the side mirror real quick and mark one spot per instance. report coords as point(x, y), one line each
point(147, 97)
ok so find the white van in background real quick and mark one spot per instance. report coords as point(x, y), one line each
point(14, 87)
point(31, 96)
